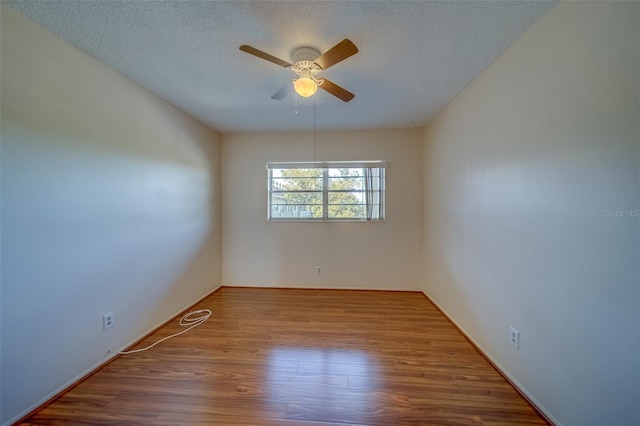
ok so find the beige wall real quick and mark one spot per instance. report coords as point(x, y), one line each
point(110, 203)
point(508, 200)
point(526, 173)
point(374, 255)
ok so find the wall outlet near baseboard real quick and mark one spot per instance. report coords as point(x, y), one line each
point(515, 337)
point(107, 321)
point(319, 270)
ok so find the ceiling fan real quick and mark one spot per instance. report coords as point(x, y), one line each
point(307, 63)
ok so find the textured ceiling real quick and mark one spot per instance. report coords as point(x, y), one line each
point(414, 56)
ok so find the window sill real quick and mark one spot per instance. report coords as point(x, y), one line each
point(325, 220)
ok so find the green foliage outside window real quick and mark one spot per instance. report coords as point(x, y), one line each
point(304, 182)
point(304, 187)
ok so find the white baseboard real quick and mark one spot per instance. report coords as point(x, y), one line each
point(479, 347)
point(324, 287)
point(519, 388)
point(68, 385)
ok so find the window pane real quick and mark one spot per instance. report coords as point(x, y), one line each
point(346, 212)
point(297, 179)
point(300, 193)
point(296, 184)
point(346, 183)
point(297, 211)
point(298, 197)
point(342, 172)
point(346, 179)
point(346, 198)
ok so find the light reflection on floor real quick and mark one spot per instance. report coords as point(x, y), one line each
point(313, 379)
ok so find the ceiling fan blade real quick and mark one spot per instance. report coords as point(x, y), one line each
point(337, 53)
point(260, 54)
point(283, 92)
point(336, 90)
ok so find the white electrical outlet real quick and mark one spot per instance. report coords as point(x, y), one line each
point(107, 321)
point(318, 270)
point(515, 337)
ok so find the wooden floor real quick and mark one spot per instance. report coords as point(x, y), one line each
point(300, 357)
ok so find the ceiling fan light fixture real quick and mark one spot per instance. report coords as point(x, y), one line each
point(305, 86)
point(307, 63)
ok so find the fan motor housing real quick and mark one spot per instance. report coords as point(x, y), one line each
point(304, 54)
point(303, 58)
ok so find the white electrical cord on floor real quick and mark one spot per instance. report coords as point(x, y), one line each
point(185, 321)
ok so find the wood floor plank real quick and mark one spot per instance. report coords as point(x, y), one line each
point(300, 357)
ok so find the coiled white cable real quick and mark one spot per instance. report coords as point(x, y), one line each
point(185, 321)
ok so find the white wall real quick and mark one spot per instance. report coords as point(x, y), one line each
point(373, 255)
point(0, 221)
point(522, 172)
point(110, 201)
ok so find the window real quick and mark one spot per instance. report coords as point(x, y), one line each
point(326, 191)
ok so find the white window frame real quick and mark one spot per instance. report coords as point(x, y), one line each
point(373, 193)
